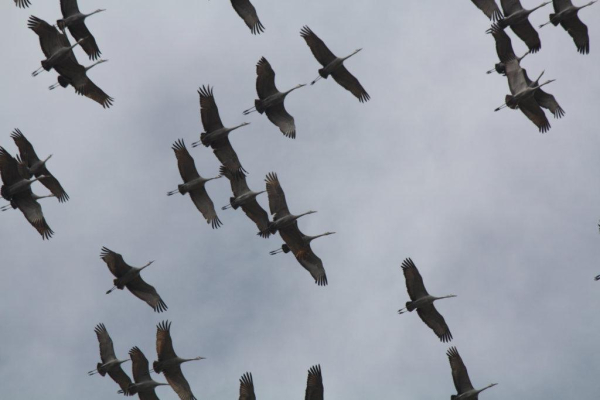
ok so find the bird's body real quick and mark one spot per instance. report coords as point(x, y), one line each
point(74, 74)
point(75, 21)
point(129, 277)
point(566, 14)
point(216, 135)
point(423, 301)
point(517, 18)
point(333, 65)
point(271, 100)
point(144, 385)
point(194, 184)
point(460, 376)
point(169, 363)
point(110, 364)
point(247, 12)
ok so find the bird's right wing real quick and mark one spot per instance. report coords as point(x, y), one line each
point(560, 5)
point(489, 8)
point(321, 52)
point(120, 377)
point(206, 206)
point(532, 110)
point(278, 115)
point(504, 47)
point(462, 383)
point(164, 343)
point(148, 395)
point(107, 351)
point(349, 82)
point(26, 150)
point(53, 185)
point(228, 157)
point(33, 213)
point(9, 168)
point(314, 384)
point(69, 7)
point(209, 112)
point(139, 365)
point(579, 32)
point(80, 31)
point(247, 12)
point(185, 162)
point(146, 292)
point(265, 79)
point(178, 382)
point(117, 266)
point(510, 6)
point(277, 202)
point(516, 76)
point(414, 281)
point(257, 214)
point(247, 387)
point(50, 37)
point(546, 100)
point(22, 3)
point(435, 321)
point(86, 87)
point(528, 34)
point(239, 185)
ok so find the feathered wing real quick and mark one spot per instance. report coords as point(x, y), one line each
point(265, 79)
point(32, 211)
point(532, 110)
point(139, 365)
point(292, 236)
point(84, 86)
point(247, 12)
point(209, 112)
point(257, 214)
point(185, 162)
point(117, 266)
point(579, 32)
point(321, 52)
point(528, 34)
point(120, 377)
point(80, 31)
point(178, 382)
point(277, 202)
point(435, 321)
point(69, 7)
point(164, 343)
point(147, 293)
point(206, 206)
point(50, 37)
point(462, 383)
point(350, 83)
point(314, 384)
point(278, 115)
point(414, 281)
point(504, 47)
point(228, 157)
point(22, 3)
point(489, 8)
point(247, 387)
point(9, 169)
point(510, 6)
point(545, 100)
point(107, 351)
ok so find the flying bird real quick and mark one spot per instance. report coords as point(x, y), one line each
point(523, 96)
point(423, 302)
point(194, 184)
point(247, 12)
point(55, 45)
point(74, 74)
point(287, 225)
point(128, 276)
point(246, 199)
point(333, 65)
point(22, 3)
point(169, 364)
point(314, 384)
point(37, 167)
point(216, 135)
point(489, 8)
point(247, 387)
point(566, 16)
point(144, 385)
point(271, 100)
point(75, 21)
point(110, 364)
point(462, 383)
point(597, 278)
point(517, 18)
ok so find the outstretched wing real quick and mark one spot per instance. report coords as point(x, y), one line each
point(51, 39)
point(579, 32)
point(228, 157)
point(84, 86)
point(68, 8)
point(22, 3)
point(277, 202)
point(146, 292)
point(209, 112)
point(107, 351)
point(139, 365)
point(117, 266)
point(462, 383)
point(350, 83)
point(185, 162)
point(528, 34)
point(414, 281)
point(265, 79)
point(532, 110)
point(33, 213)
point(313, 264)
point(247, 387)
point(314, 384)
point(545, 100)
point(435, 321)
point(80, 31)
point(164, 343)
point(206, 206)
point(247, 12)
point(120, 377)
point(504, 47)
point(489, 8)
point(178, 382)
point(510, 6)
point(323, 55)
point(257, 214)
point(278, 115)
point(9, 168)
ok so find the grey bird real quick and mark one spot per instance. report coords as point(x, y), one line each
point(74, 74)
point(144, 385)
point(566, 16)
point(462, 383)
point(110, 364)
point(75, 21)
point(517, 18)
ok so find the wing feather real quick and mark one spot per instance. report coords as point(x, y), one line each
point(342, 76)
point(321, 52)
point(414, 281)
point(147, 293)
point(247, 12)
point(435, 321)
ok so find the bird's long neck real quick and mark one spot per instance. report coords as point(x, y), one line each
point(445, 297)
point(191, 359)
point(236, 127)
point(95, 12)
point(301, 215)
point(585, 5)
point(42, 197)
point(487, 387)
point(257, 193)
point(311, 238)
point(353, 53)
point(522, 57)
point(78, 42)
point(540, 6)
point(93, 65)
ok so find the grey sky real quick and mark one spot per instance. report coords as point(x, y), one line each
point(487, 207)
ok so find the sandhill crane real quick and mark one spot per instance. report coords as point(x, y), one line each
point(74, 74)
point(37, 167)
point(504, 49)
point(55, 45)
point(287, 225)
point(216, 135)
point(314, 384)
point(462, 383)
point(128, 276)
point(597, 278)
point(523, 96)
point(422, 301)
point(247, 387)
point(489, 8)
point(246, 198)
point(271, 100)
point(246, 10)
point(14, 204)
point(75, 21)
point(333, 65)
point(194, 184)
point(110, 364)
point(12, 176)
point(144, 385)
point(516, 17)
point(22, 3)
point(305, 240)
point(566, 16)
point(169, 364)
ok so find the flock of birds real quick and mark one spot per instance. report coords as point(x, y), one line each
point(20, 172)
point(527, 95)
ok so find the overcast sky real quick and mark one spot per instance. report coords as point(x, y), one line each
point(488, 208)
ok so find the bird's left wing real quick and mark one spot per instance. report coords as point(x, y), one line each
point(350, 83)
point(247, 387)
point(579, 32)
point(147, 293)
point(321, 52)
point(528, 34)
point(206, 206)
point(33, 213)
point(164, 343)
point(178, 382)
point(247, 12)
point(314, 384)
point(228, 157)
point(435, 321)
point(278, 115)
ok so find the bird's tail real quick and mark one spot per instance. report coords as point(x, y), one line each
point(99, 369)
point(259, 107)
point(203, 139)
point(453, 397)
point(409, 306)
point(61, 24)
point(155, 367)
point(182, 189)
point(234, 206)
point(509, 101)
point(554, 22)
